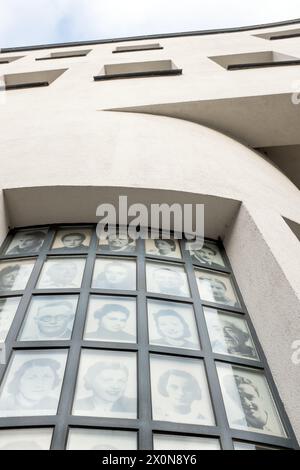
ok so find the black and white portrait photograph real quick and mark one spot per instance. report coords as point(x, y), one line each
point(32, 383)
point(26, 242)
point(229, 334)
point(208, 254)
point(172, 324)
point(163, 247)
point(26, 439)
point(164, 278)
point(179, 391)
point(106, 385)
point(8, 309)
point(119, 242)
point(49, 318)
point(248, 400)
point(101, 439)
point(175, 442)
point(14, 275)
point(72, 240)
point(111, 319)
point(112, 273)
point(61, 273)
point(216, 288)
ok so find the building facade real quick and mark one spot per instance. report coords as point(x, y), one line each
point(203, 118)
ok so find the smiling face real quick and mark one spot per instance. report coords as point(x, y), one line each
point(252, 405)
point(170, 326)
point(179, 392)
point(205, 254)
point(36, 382)
point(114, 321)
point(110, 384)
point(73, 240)
point(53, 320)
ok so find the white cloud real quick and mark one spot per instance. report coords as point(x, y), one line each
point(24, 22)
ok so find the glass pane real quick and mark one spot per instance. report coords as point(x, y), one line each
point(106, 385)
point(208, 255)
point(250, 446)
point(14, 275)
point(248, 400)
point(172, 324)
point(175, 442)
point(229, 334)
point(73, 239)
point(8, 308)
point(114, 274)
point(216, 288)
point(162, 247)
point(32, 383)
point(118, 243)
point(61, 273)
point(164, 278)
point(25, 439)
point(180, 391)
point(49, 318)
point(101, 439)
point(26, 242)
point(111, 319)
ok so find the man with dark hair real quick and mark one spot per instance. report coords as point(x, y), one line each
point(8, 276)
point(230, 339)
point(73, 241)
point(164, 247)
point(112, 321)
point(218, 290)
point(28, 242)
point(107, 382)
point(206, 255)
point(120, 242)
point(255, 413)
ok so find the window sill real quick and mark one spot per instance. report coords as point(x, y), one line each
point(154, 73)
point(258, 65)
point(138, 50)
point(61, 57)
point(20, 86)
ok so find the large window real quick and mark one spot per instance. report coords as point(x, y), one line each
point(129, 344)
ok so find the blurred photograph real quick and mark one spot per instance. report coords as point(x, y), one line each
point(111, 319)
point(26, 242)
point(175, 442)
point(248, 400)
point(172, 324)
point(118, 243)
point(61, 273)
point(49, 318)
point(72, 240)
point(179, 391)
point(32, 383)
point(167, 279)
point(114, 274)
point(101, 439)
point(106, 385)
point(8, 309)
point(163, 247)
point(229, 335)
point(14, 275)
point(216, 288)
point(25, 439)
point(208, 255)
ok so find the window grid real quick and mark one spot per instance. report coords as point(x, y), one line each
point(143, 425)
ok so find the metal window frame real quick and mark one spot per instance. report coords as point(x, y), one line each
point(144, 426)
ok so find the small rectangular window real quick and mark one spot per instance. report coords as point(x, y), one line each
point(286, 34)
point(255, 60)
point(65, 54)
point(138, 69)
point(8, 60)
point(16, 81)
point(137, 47)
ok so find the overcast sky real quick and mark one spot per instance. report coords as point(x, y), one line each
point(28, 22)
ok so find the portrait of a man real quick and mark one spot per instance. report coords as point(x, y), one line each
point(114, 274)
point(106, 384)
point(49, 319)
point(26, 242)
point(173, 329)
point(179, 391)
point(207, 255)
point(118, 243)
point(163, 247)
point(248, 401)
point(216, 288)
point(229, 335)
point(72, 240)
point(33, 387)
point(112, 321)
point(167, 279)
point(64, 273)
point(14, 275)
